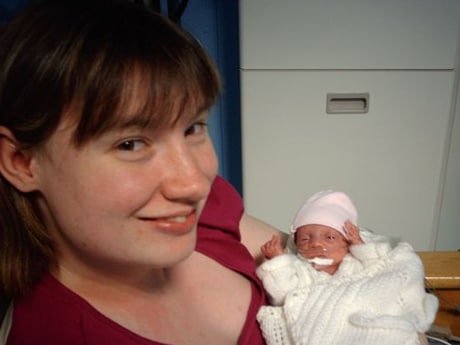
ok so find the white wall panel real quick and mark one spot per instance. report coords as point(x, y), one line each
point(389, 159)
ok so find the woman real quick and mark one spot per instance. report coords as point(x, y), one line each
point(106, 165)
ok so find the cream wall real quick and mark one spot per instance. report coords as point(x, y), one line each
point(400, 161)
point(447, 231)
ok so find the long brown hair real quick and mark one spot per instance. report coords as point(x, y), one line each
point(90, 57)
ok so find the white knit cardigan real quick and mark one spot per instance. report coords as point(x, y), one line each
point(376, 297)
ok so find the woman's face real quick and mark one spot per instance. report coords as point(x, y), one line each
point(320, 241)
point(130, 198)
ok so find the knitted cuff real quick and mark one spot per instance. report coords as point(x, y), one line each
point(370, 251)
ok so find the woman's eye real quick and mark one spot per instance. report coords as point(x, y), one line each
point(131, 145)
point(197, 128)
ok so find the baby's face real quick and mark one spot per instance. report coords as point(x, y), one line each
point(320, 241)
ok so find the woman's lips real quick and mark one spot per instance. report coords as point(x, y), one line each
point(177, 225)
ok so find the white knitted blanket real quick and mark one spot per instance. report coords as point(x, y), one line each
point(383, 303)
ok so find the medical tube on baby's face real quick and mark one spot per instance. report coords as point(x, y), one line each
point(316, 240)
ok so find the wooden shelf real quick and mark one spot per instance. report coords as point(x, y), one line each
point(442, 269)
point(442, 275)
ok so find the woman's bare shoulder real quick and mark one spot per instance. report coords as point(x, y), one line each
point(255, 232)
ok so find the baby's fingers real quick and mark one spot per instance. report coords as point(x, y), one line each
point(352, 232)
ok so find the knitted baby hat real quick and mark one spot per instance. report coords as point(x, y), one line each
point(330, 208)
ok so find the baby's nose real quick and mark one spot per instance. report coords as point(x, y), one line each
point(316, 243)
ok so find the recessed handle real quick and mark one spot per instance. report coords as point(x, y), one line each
point(347, 103)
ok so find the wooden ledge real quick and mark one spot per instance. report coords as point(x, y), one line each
point(442, 269)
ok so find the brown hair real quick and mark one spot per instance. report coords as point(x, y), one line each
point(86, 58)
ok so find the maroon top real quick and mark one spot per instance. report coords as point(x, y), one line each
point(53, 314)
point(219, 238)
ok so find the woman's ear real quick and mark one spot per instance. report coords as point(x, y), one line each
point(16, 163)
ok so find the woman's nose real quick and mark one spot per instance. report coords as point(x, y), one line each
point(186, 178)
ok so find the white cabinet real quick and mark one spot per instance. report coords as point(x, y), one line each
point(392, 159)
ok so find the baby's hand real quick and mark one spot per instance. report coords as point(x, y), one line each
point(352, 231)
point(272, 248)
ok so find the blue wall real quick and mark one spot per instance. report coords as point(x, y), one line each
point(9, 7)
point(215, 24)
